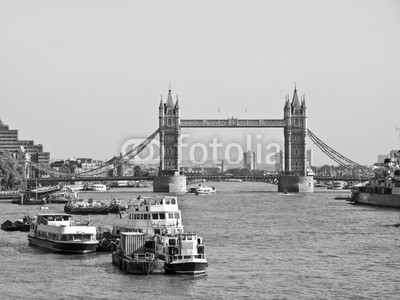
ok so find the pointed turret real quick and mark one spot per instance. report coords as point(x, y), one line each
point(177, 102)
point(169, 99)
point(161, 103)
point(295, 100)
point(286, 109)
point(303, 102)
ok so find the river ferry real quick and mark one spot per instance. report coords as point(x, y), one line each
point(384, 189)
point(205, 190)
point(55, 232)
point(154, 215)
point(202, 190)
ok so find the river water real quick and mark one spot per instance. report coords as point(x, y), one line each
point(259, 244)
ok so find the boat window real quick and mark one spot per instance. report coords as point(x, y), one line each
point(168, 202)
point(155, 216)
point(177, 216)
point(58, 218)
point(170, 215)
point(87, 237)
point(145, 216)
point(137, 216)
point(157, 231)
point(173, 201)
point(50, 218)
point(77, 237)
point(65, 218)
point(162, 216)
point(172, 242)
point(183, 238)
point(63, 237)
point(189, 237)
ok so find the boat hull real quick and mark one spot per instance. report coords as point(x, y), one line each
point(86, 210)
point(374, 199)
point(136, 266)
point(191, 267)
point(64, 247)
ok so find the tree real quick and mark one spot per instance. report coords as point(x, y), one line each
point(11, 173)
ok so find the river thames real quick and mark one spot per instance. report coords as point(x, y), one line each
point(260, 244)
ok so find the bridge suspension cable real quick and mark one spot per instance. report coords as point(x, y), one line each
point(337, 157)
point(104, 168)
point(121, 160)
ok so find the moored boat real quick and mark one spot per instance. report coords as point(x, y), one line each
point(91, 207)
point(182, 253)
point(56, 232)
point(18, 225)
point(384, 189)
point(132, 257)
point(155, 215)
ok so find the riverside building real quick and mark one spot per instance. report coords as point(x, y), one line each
point(9, 142)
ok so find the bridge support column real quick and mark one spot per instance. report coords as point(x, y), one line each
point(296, 184)
point(170, 183)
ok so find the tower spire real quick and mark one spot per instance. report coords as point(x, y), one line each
point(169, 99)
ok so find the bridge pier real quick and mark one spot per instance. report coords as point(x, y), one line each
point(296, 184)
point(169, 183)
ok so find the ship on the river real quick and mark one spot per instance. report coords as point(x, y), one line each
point(384, 189)
point(156, 238)
point(56, 232)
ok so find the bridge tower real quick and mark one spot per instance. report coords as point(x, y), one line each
point(169, 178)
point(169, 116)
point(295, 178)
point(295, 132)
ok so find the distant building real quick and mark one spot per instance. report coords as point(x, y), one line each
point(9, 142)
point(249, 160)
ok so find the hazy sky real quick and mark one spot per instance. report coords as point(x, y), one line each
point(82, 77)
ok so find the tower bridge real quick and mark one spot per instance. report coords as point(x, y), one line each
point(170, 179)
point(294, 124)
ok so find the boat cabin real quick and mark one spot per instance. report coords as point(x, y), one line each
point(156, 215)
point(180, 246)
point(54, 219)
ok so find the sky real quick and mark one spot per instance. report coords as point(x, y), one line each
point(84, 77)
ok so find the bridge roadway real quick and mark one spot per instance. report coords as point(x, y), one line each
point(267, 178)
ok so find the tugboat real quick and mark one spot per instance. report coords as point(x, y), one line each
point(55, 232)
point(384, 189)
point(182, 253)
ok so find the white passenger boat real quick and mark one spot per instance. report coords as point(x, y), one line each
point(154, 215)
point(99, 187)
point(55, 232)
point(205, 190)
